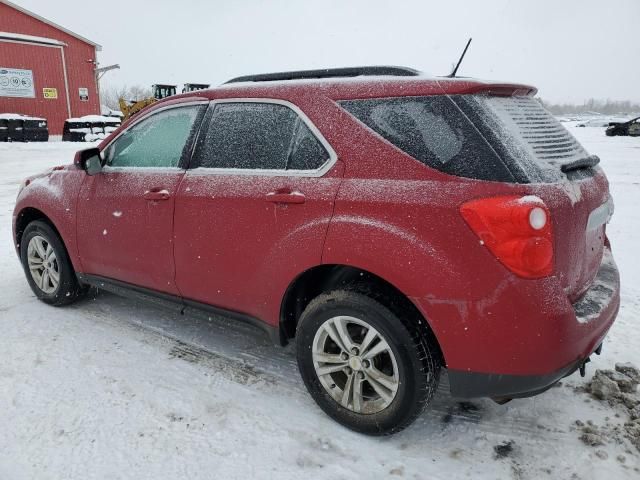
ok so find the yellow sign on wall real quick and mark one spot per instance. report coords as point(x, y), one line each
point(50, 93)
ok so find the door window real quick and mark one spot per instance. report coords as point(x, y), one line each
point(307, 153)
point(156, 141)
point(259, 136)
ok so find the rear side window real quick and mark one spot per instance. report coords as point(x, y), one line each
point(259, 136)
point(248, 136)
point(434, 131)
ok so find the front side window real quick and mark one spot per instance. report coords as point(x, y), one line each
point(156, 141)
point(259, 136)
point(306, 153)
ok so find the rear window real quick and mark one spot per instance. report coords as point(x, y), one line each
point(506, 139)
point(528, 138)
point(434, 131)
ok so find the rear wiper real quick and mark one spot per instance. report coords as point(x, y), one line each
point(587, 162)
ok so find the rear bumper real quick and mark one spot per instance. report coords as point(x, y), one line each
point(529, 341)
point(475, 385)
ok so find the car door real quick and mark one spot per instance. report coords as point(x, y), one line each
point(254, 210)
point(125, 213)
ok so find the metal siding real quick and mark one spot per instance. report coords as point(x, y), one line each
point(46, 64)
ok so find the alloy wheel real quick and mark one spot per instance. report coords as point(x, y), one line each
point(43, 264)
point(355, 364)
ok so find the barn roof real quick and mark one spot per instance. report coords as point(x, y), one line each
point(49, 22)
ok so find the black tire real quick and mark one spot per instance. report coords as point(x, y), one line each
point(68, 289)
point(415, 354)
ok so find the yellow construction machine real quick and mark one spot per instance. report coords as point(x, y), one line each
point(130, 107)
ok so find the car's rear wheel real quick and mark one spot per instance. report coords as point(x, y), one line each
point(47, 265)
point(366, 366)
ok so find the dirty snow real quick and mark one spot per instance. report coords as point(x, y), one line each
point(110, 388)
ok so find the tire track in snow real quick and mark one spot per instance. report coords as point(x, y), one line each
point(241, 354)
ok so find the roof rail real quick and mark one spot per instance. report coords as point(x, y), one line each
point(329, 73)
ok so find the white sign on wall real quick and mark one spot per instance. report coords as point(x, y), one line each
point(16, 83)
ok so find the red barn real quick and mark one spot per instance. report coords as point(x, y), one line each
point(45, 70)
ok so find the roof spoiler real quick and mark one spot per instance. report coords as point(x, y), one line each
point(469, 87)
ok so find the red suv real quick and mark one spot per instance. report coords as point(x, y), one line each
point(393, 224)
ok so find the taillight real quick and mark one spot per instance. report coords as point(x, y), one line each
point(517, 230)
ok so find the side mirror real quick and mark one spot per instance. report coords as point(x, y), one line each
point(89, 160)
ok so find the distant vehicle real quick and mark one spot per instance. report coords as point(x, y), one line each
point(630, 128)
point(160, 91)
point(595, 122)
point(194, 87)
point(131, 107)
point(389, 223)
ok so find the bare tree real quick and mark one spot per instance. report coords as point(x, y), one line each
point(110, 94)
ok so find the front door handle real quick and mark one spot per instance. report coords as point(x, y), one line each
point(156, 194)
point(281, 196)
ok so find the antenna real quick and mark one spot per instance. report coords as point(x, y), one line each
point(455, 70)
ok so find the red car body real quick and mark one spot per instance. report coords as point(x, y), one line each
point(222, 241)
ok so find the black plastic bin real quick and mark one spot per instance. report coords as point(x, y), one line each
point(4, 129)
point(75, 131)
point(88, 129)
point(23, 129)
point(15, 133)
point(35, 130)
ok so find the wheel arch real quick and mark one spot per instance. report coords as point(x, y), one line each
point(25, 217)
point(323, 278)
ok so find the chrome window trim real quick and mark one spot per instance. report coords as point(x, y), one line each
point(137, 120)
point(319, 172)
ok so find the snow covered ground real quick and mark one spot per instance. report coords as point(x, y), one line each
point(109, 388)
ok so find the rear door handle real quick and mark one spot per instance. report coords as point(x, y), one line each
point(156, 194)
point(285, 197)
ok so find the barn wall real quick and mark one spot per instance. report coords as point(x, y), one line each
point(46, 65)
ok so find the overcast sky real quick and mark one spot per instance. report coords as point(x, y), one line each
point(570, 50)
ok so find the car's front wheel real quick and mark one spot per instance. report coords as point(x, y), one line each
point(365, 366)
point(47, 265)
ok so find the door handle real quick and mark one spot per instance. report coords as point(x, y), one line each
point(285, 197)
point(156, 194)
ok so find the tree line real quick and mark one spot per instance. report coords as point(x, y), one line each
point(607, 107)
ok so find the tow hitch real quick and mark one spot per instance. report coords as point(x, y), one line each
point(583, 365)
